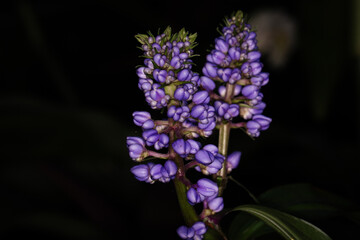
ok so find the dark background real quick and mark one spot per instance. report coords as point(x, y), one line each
point(68, 88)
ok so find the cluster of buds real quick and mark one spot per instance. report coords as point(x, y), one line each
point(195, 105)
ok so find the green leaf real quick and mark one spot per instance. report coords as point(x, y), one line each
point(289, 227)
point(307, 201)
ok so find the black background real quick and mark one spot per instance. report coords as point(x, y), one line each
point(69, 87)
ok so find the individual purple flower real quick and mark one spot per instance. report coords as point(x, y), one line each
point(235, 76)
point(160, 60)
point(181, 147)
point(253, 128)
point(253, 56)
point(160, 75)
point(168, 171)
point(200, 229)
point(178, 113)
point(195, 232)
point(215, 166)
point(155, 171)
point(221, 45)
point(193, 196)
point(136, 146)
point(185, 92)
point(207, 189)
point(203, 112)
point(248, 112)
point(175, 62)
point(257, 124)
point(250, 91)
point(224, 74)
point(184, 75)
point(225, 110)
point(232, 160)
point(153, 138)
point(141, 73)
point(143, 119)
point(235, 53)
point(207, 83)
point(186, 233)
point(216, 204)
point(142, 172)
point(145, 84)
point(251, 69)
point(263, 121)
point(201, 97)
point(156, 97)
point(210, 70)
point(206, 155)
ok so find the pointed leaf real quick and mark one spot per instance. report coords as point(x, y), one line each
point(289, 227)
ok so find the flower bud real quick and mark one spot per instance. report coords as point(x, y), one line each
point(216, 204)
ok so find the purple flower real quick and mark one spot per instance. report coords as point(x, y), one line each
point(168, 172)
point(143, 119)
point(175, 62)
point(140, 72)
point(235, 76)
point(248, 112)
point(215, 166)
point(234, 53)
point(195, 232)
point(185, 92)
point(204, 157)
point(160, 75)
point(216, 204)
point(181, 147)
point(184, 75)
point(253, 56)
point(250, 91)
point(186, 233)
point(221, 45)
point(193, 196)
point(228, 111)
point(209, 70)
point(251, 69)
point(178, 113)
point(160, 60)
point(142, 172)
point(207, 83)
point(155, 171)
point(207, 189)
point(200, 229)
point(201, 97)
point(253, 128)
point(232, 161)
point(152, 137)
point(145, 84)
point(203, 112)
point(156, 97)
point(263, 121)
point(224, 74)
point(136, 146)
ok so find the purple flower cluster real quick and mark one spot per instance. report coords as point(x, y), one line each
point(236, 61)
point(194, 105)
point(195, 232)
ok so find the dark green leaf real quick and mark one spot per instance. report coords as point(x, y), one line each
point(289, 227)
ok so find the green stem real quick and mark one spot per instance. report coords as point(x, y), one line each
point(224, 135)
point(188, 211)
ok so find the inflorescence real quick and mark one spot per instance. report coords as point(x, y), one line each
point(227, 92)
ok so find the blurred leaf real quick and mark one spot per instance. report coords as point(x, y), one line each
point(289, 227)
point(307, 201)
point(245, 226)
